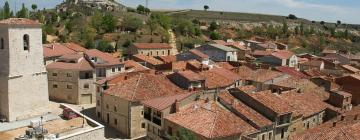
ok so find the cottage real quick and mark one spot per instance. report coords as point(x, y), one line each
point(105, 64)
point(150, 49)
point(218, 52)
point(188, 80)
point(351, 84)
point(281, 58)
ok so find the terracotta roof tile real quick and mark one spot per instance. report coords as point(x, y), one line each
point(19, 21)
point(162, 103)
point(152, 46)
point(56, 50)
point(263, 75)
point(301, 105)
point(190, 75)
point(148, 59)
point(80, 64)
point(143, 87)
point(108, 59)
point(350, 68)
point(219, 78)
point(132, 66)
point(210, 121)
point(225, 65)
point(168, 58)
point(272, 101)
point(282, 54)
point(314, 63)
point(75, 47)
point(246, 111)
point(199, 53)
point(292, 72)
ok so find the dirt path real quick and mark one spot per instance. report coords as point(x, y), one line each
point(172, 42)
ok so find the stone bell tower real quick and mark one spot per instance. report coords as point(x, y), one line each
point(23, 78)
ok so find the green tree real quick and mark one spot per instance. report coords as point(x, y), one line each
point(34, 7)
point(215, 35)
point(105, 46)
point(301, 28)
point(141, 9)
point(206, 7)
point(162, 19)
point(7, 10)
point(297, 30)
point(109, 22)
point(96, 21)
point(185, 27)
point(131, 23)
point(184, 134)
point(88, 34)
point(89, 44)
point(213, 26)
point(153, 25)
point(285, 28)
point(23, 13)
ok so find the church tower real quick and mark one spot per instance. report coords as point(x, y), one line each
point(23, 78)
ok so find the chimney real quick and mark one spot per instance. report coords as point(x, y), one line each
point(177, 106)
point(207, 100)
point(342, 118)
point(334, 123)
point(356, 117)
point(126, 77)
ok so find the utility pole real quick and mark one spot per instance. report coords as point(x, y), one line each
point(147, 4)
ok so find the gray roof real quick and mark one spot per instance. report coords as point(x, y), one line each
point(223, 47)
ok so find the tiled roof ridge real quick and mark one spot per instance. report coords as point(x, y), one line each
point(136, 86)
point(214, 123)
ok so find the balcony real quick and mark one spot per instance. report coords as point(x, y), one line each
point(147, 116)
point(157, 121)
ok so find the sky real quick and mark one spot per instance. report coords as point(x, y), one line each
point(346, 11)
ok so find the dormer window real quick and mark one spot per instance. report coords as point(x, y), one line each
point(26, 42)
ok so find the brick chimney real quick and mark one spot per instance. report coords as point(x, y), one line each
point(177, 106)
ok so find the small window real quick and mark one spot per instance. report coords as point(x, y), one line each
point(119, 68)
point(143, 125)
point(55, 86)
point(86, 86)
point(26, 42)
point(169, 130)
point(163, 52)
point(2, 44)
point(263, 137)
point(115, 109)
point(69, 86)
point(69, 75)
point(113, 69)
point(107, 106)
point(54, 74)
point(270, 135)
point(115, 121)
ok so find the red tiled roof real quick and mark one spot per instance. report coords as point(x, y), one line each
point(81, 64)
point(162, 103)
point(108, 58)
point(75, 47)
point(263, 75)
point(222, 42)
point(348, 129)
point(152, 46)
point(301, 105)
point(179, 65)
point(19, 21)
point(143, 87)
point(199, 54)
point(234, 44)
point(272, 101)
point(148, 59)
point(314, 63)
point(292, 72)
point(210, 121)
point(226, 73)
point(282, 54)
point(261, 53)
point(246, 111)
point(191, 76)
point(350, 68)
point(225, 65)
point(219, 78)
point(247, 88)
point(167, 58)
point(132, 66)
point(56, 50)
point(196, 64)
point(245, 72)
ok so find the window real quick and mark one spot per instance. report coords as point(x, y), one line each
point(54, 74)
point(98, 102)
point(270, 135)
point(98, 114)
point(143, 125)
point(26, 40)
point(163, 52)
point(282, 133)
point(86, 86)
point(69, 86)
point(115, 121)
point(119, 68)
point(68, 75)
point(55, 86)
point(169, 131)
point(157, 52)
point(263, 137)
point(115, 109)
point(113, 69)
point(107, 106)
point(2, 44)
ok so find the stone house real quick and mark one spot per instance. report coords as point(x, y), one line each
point(71, 79)
point(351, 84)
point(220, 78)
point(194, 55)
point(260, 78)
point(340, 99)
point(119, 105)
point(312, 64)
point(23, 77)
point(155, 110)
point(150, 49)
point(219, 53)
point(207, 120)
point(53, 51)
point(272, 107)
point(148, 61)
point(306, 114)
point(105, 64)
point(188, 80)
point(242, 50)
point(281, 58)
point(264, 126)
